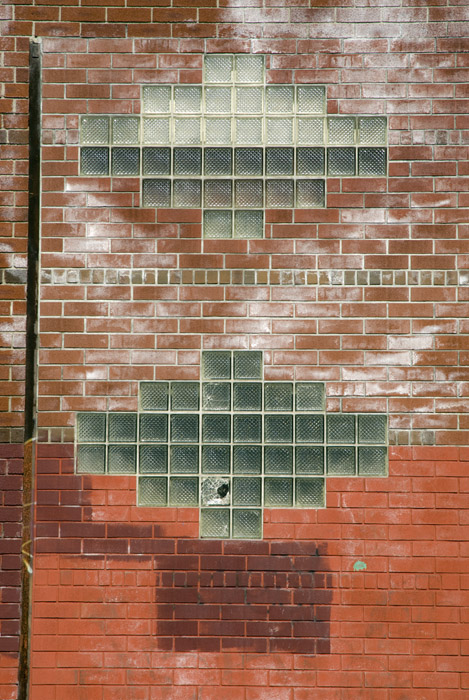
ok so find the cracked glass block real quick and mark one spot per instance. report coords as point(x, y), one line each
point(216, 459)
point(249, 224)
point(278, 396)
point(310, 161)
point(249, 100)
point(156, 130)
point(248, 161)
point(218, 100)
point(372, 130)
point(156, 193)
point(183, 491)
point(247, 365)
point(341, 428)
point(91, 459)
point(122, 459)
point(216, 396)
point(309, 460)
point(94, 130)
point(218, 68)
point(247, 459)
point(187, 99)
point(216, 364)
point(187, 130)
point(247, 492)
point(217, 224)
point(372, 428)
point(125, 161)
point(154, 427)
point(278, 492)
point(122, 427)
point(156, 161)
point(279, 130)
point(94, 160)
point(279, 99)
point(279, 193)
point(125, 130)
point(341, 130)
point(278, 460)
point(311, 99)
point(279, 161)
point(309, 428)
point(310, 193)
point(184, 459)
point(247, 428)
point(247, 397)
point(341, 461)
point(247, 524)
point(372, 461)
point(249, 69)
point(216, 428)
point(341, 161)
point(215, 522)
point(91, 427)
point(152, 491)
point(372, 162)
point(186, 193)
point(310, 493)
point(187, 161)
point(154, 396)
point(278, 428)
point(153, 459)
point(310, 131)
point(217, 193)
point(249, 193)
point(248, 130)
point(217, 130)
point(215, 491)
point(156, 99)
point(185, 428)
point(310, 396)
point(218, 161)
point(184, 396)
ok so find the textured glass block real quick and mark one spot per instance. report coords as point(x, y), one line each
point(247, 524)
point(94, 130)
point(310, 131)
point(154, 427)
point(91, 427)
point(218, 100)
point(372, 162)
point(156, 130)
point(216, 396)
point(187, 161)
point(372, 130)
point(310, 396)
point(278, 396)
point(278, 460)
point(310, 193)
point(247, 428)
point(156, 99)
point(247, 492)
point(341, 161)
point(94, 160)
point(215, 522)
point(248, 161)
point(247, 459)
point(217, 130)
point(279, 99)
point(122, 427)
point(340, 428)
point(279, 161)
point(216, 459)
point(184, 459)
point(184, 428)
point(122, 459)
point(341, 130)
point(341, 461)
point(311, 99)
point(279, 193)
point(216, 428)
point(372, 461)
point(278, 492)
point(249, 69)
point(187, 130)
point(217, 224)
point(184, 396)
point(156, 161)
point(218, 69)
point(309, 428)
point(154, 396)
point(156, 193)
point(310, 161)
point(249, 193)
point(278, 428)
point(217, 193)
point(91, 459)
point(310, 493)
point(309, 460)
point(186, 193)
point(249, 224)
point(248, 130)
point(372, 428)
point(216, 364)
point(279, 130)
point(249, 100)
point(183, 491)
point(187, 99)
point(215, 491)
point(247, 364)
point(125, 161)
point(218, 161)
point(247, 397)
point(152, 491)
point(125, 130)
point(153, 459)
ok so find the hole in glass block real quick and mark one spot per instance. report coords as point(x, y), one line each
point(248, 130)
point(310, 193)
point(94, 161)
point(218, 161)
point(247, 524)
point(218, 68)
point(372, 428)
point(91, 427)
point(184, 396)
point(187, 130)
point(154, 396)
point(278, 460)
point(187, 99)
point(279, 99)
point(216, 459)
point(152, 491)
point(247, 492)
point(156, 131)
point(340, 428)
point(310, 396)
point(187, 193)
point(310, 131)
point(217, 224)
point(279, 193)
point(279, 130)
point(247, 459)
point(94, 130)
point(125, 130)
point(311, 99)
point(310, 161)
point(250, 69)
point(341, 461)
point(216, 396)
point(215, 491)
point(279, 161)
point(122, 459)
point(248, 365)
point(187, 161)
point(122, 427)
point(278, 492)
point(247, 428)
point(310, 493)
point(91, 459)
point(216, 364)
point(218, 100)
point(372, 130)
point(372, 162)
point(156, 161)
point(183, 491)
point(248, 193)
point(184, 459)
point(249, 224)
point(248, 161)
point(154, 427)
point(247, 397)
point(185, 428)
point(215, 522)
point(341, 161)
point(309, 428)
point(309, 460)
point(156, 193)
point(217, 130)
point(216, 428)
point(217, 193)
point(372, 461)
point(156, 98)
point(278, 396)
point(249, 100)
point(125, 161)
point(153, 459)
point(341, 130)
point(278, 428)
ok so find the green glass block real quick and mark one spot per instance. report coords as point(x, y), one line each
point(372, 162)
point(215, 522)
point(247, 492)
point(248, 193)
point(156, 99)
point(153, 459)
point(310, 396)
point(186, 193)
point(279, 193)
point(247, 428)
point(184, 396)
point(218, 224)
point(183, 491)
point(249, 224)
point(216, 364)
point(94, 130)
point(309, 460)
point(248, 365)
point(122, 427)
point(152, 491)
point(249, 161)
point(122, 459)
point(215, 491)
point(340, 428)
point(278, 460)
point(310, 493)
point(278, 396)
point(310, 161)
point(187, 161)
point(91, 427)
point(154, 427)
point(217, 193)
point(216, 459)
point(156, 193)
point(216, 428)
point(247, 397)
point(341, 161)
point(184, 459)
point(125, 130)
point(216, 396)
point(91, 459)
point(278, 492)
point(247, 524)
point(217, 161)
point(341, 461)
point(156, 161)
point(278, 428)
point(94, 160)
point(125, 161)
point(310, 193)
point(372, 461)
point(154, 396)
point(372, 428)
point(279, 161)
point(247, 459)
point(309, 428)
point(184, 428)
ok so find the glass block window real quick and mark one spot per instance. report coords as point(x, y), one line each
point(232, 444)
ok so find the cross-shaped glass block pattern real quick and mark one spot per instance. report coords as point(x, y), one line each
point(232, 444)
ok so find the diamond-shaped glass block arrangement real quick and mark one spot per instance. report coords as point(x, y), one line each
point(232, 444)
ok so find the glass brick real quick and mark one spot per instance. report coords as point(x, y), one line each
point(217, 224)
point(156, 161)
point(184, 459)
point(217, 193)
point(187, 161)
point(341, 161)
point(156, 193)
point(94, 160)
point(341, 130)
point(218, 100)
point(91, 459)
point(218, 161)
point(249, 69)
point(154, 396)
point(278, 396)
point(278, 460)
point(248, 161)
point(279, 161)
point(215, 491)
point(218, 69)
point(152, 491)
point(247, 492)
point(156, 131)
point(309, 428)
point(310, 493)
point(183, 491)
point(372, 130)
point(249, 224)
point(216, 396)
point(247, 428)
point(154, 427)
point(186, 193)
point(310, 131)
point(184, 396)
point(91, 427)
point(310, 161)
point(156, 99)
point(248, 130)
point(125, 130)
point(341, 461)
point(310, 396)
point(248, 364)
point(125, 161)
point(279, 130)
point(372, 461)
point(279, 99)
point(372, 428)
point(279, 193)
point(247, 459)
point(122, 427)
point(187, 131)
point(216, 428)
point(278, 428)
point(217, 130)
point(311, 99)
point(153, 459)
point(216, 459)
point(278, 493)
point(122, 459)
point(249, 100)
point(249, 193)
point(310, 193)
point(216, 364)
point(372, 162)
point(94, 130)
point(247, 524)
point(187, 99)
point(309, 460)
point(247, 397)
point(340, 428)
point(184, 428)
point(215, 522)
